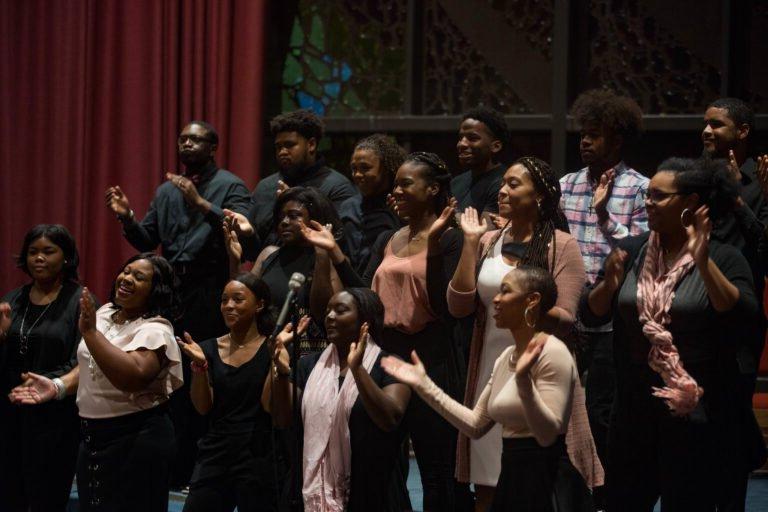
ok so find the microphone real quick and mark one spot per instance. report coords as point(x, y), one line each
point(294, 284)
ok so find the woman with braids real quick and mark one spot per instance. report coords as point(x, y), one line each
point(235, 458)
point(128, 365)
point(374, 164)
point(674, 296)
point(529, 393)
point(535, 233)
point(351, 410)
point(410, 269)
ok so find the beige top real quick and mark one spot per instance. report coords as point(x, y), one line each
point(541, 412)
point(97, 397)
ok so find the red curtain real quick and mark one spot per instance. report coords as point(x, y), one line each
point(93, 93)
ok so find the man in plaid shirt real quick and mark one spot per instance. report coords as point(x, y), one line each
point(603, 202)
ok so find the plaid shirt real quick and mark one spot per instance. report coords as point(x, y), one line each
point(626, 213)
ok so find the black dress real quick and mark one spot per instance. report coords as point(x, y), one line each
point(375, 482)
point(235, 464)
point(38, 444)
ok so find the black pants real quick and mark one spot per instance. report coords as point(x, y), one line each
point(433, 438)
point(599, 387)
point(38, 450)
point(224, 494)
point(529, 477)
point(124, 462)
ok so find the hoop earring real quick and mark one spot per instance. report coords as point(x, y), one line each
point(525, 317)
point(683, 216)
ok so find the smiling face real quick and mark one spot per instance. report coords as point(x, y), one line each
point(412, 191)
point(341, 319)
point(477, 146)
point(239, 305)
point(720, 133)
point(510, 303)
point(133, 286)
point(292, 214)
point(45, 260)
point(665, 205)
point(517, 196)
point(368, 173)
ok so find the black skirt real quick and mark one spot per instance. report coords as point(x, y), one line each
point(123, 463)
point(534, 478)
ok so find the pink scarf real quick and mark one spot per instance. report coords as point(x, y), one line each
point(655, 292)
point(325, 410)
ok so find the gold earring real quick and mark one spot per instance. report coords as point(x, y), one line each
point(525, 317)
point(683, 215)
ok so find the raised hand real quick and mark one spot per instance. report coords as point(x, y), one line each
point(733, 167)
point(603, 192)
point(239, 222)
point(698, 235)
point(529, 356)
point(36, 389)
point(117, 201)
point(614, 269)
point(231, 240)
point(280, 357)
point(87, 321)
point(762, 173)
point(318, 235)
point(472, 224)
point(192, 349)
point(5, 319)
point(187, 188)
point(392, 205)
point(411, 374)
point(443, 221)
point(281, 187)
point(357, 350)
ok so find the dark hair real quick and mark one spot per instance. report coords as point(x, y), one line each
point(369, 309)
point(551, 216)
point(492, 119)
point(163, 300)
point(318, 206)
point(619, 115)
point(436, 172)
point(209, 130)
point(391, 155)
point(537, 279)
point(305, 122)
point(265, 319)
point(738, 110)
point(708, 178)
point(58, 235)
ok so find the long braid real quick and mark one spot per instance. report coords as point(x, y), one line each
point(551, 216)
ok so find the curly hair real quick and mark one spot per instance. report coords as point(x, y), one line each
point(163, 299)
point(305, 122)
point(619, 115)
point(738, 111)
point(491, 118)
point(706, 177)
point(391, 155)
point(58, 235)
point(436, 172)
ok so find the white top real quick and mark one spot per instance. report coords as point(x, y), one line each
point(484, 460)
point(97, 397)
point(541, 412)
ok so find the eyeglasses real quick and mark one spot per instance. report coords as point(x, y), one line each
point(656, 196)
point(195, 139)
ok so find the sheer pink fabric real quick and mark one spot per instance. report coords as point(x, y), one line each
point(655, 292)
point(325, 410)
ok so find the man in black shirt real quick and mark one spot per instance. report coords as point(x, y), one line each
point(483, 135)
point(185, 218)
point(728, 123)
point(297, 135)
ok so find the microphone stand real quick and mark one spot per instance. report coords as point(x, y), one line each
point(296, 501)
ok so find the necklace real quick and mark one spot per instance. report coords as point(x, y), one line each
point(24, 337)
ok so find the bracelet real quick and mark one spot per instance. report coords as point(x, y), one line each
point(199, 367)
point(61, 389)
point(128, 217)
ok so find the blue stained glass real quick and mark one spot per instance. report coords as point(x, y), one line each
point(327, 58)
point(332, 89)
point(310, 102)
point(346, 71)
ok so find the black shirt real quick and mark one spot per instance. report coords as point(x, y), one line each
point(374, 452)
point(238, 436)
point(377, 218)
point(478, 191)
point(185, 234)
point(336, 187)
